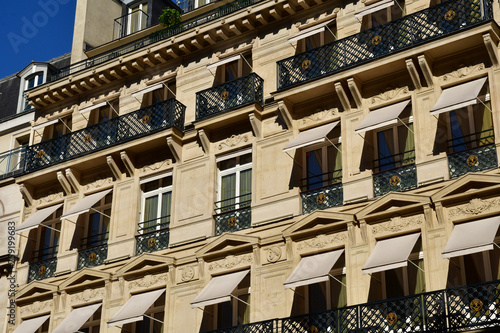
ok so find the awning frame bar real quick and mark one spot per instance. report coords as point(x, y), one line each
point(333, 277)
point(239, 299)
point(145, 315)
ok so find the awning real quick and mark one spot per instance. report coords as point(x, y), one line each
point(472, 237)
point(313, 269)
point(135, 308)
point(390, 253)
point(382, 117)
point(311, 136)
point(458, 96)
point(224, 61)
point(373, 8)
point(146, 90)
point(219, 289)
point(31, 325)
point(76, 319)
point(34, 220)
point(45, 124)
point(93, 107)
point(310, 31)
point(85, 204)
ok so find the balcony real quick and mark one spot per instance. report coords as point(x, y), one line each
point(230, 95)
point(12, 162)
point(395, 173)
point(95, 251)
point(153, 235)
point(268, 326)
point(481, 156)
point(411, 30)
point(115, 131)
point(44, 264)
point(467, 308)
point(157, 36)
point(322, 191)
point(233, 214)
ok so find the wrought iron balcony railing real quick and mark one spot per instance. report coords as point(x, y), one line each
point(467, 308)
point(472, 153)
point(233, 214)
point(115, 131)
point(268, 326)
point(92, 256)
point(153, 235)
point(230, 95)
point(395, 173)
point(44, 264)
point(12, 162)
point(411, 30)
point(157, 36)
point(322, 191)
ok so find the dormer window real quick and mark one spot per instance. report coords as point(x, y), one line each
point(32, 76)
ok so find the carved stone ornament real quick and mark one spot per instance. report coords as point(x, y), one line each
point(233, 141)
point(156, 166)
point(148, 280)
point(272, 126)
point(461, 72)
point(398, 223)
point(98, 183)
point(319, 116)
point(50, 198)
point(36, 307)
point(475, 206)
point(187, 273)
point(390, 94)
point(273, 254)
point(322, 241)
point(230, 262)
point(87, 295)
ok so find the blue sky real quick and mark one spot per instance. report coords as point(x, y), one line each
point(34, 30)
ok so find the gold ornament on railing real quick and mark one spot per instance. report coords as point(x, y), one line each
point(476, 305)
point(87, 138)
point(145, 119)
point(472, 160)
point(391, 318)
point(394, 180)
point(232, 221)
point(313, 329)
point(376, 40)
point(321, 198)
point(92, 256)
point(306, 64)
point(151, 242)
point(42, 270)
point(450, 15)
point(224, 95)
point(40, 153)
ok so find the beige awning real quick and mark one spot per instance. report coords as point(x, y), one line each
point(31, 325)
point(313, 269)
point(85, 204)
point(311, 136)
point(472, 237)
point(45, 124)
point(224, 61)
point(373, 8)
point(310, 31)
point(458, 96)
point(219, 289)
point(390, 253)
point(76, 319)
point(146, 90)
point(93, 107)
point(135, 308)
point(382, 117)
point(34, 220)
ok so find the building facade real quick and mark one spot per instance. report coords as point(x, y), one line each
point(267, 166)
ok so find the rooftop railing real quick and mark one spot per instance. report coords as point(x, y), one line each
point(411, 30)
point(12, 162)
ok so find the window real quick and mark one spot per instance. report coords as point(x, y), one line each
point(233, 69)
point(138, 17)
point(232, 313)
point(156, 205)
point(96, 227)
point(328, 35)
point(147, 324)
point(167, 91)
point(62, 127)
point(47, 239)
point(100, 115)
point(235, 183)
point(31, 82)
point(383, 16)
point(323, 165)
point(44, 328)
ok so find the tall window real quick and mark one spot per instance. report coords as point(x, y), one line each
point(234, 69)
point(100, 115)
point(96, 228)
point(138, 17)
point(93, 324)
point(147, 324)
point(319, 39)
point(58, 129)
point(235, 182)
point(167, 91)
point(383, 16)
point(156, 204)
point(47, 240)
point(323, 166)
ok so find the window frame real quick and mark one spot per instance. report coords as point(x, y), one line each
point(98, 209)
point(243, 64)
point(151, 312)
point(138, 7)
point(159, 193)
point(368, 19)
point(93, 324)
point(330, 29)
point(324, 146)
point(50, 223)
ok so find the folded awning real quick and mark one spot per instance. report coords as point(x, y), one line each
point(382, 117)
point(76, 319)
point(458, 96)
point(310, 31)
point(224, 61)
point(45, 124)
point(135, 308)
point(313, 269)
point(85, 204)
point(31, 325)
point(390, 253)
point(139, 93)
point(219, 289)
point(472, 237)
point(311, 136)
point(34, 220)
point(373, 8)
point(93, 107)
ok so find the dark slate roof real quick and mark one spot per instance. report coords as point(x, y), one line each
point(9, 88)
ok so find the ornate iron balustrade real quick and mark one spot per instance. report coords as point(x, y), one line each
point(157, 36)
point(411, 30)
point(115, 131)
point(42, 269)
point(230, 95)
point(93, 256)
point(233, 214)
point(268, 326)
point(399, 179)
point(322, 198)
point(153, 235)
point(12, 162)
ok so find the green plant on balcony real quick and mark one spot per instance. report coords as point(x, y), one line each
point(170, 17)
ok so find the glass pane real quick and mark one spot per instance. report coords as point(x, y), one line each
point(166, 200)
point(227, 164)
point(245, 159)
point(150, 212)
point(313, 41)
point(143, 14)
point(134, 21)
point(314, 171)
point(394, 283)
point(338, 292)
point(40, 79)
point(151, 186)
point(243, 310)
point(245, 186)
point(228, 192)
point(474, 268)
point(334, 163)
point(225, 314)
point(385, 150)
point(457, 131)
point(406, 144)
point(317, 297)
point(231, 71)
